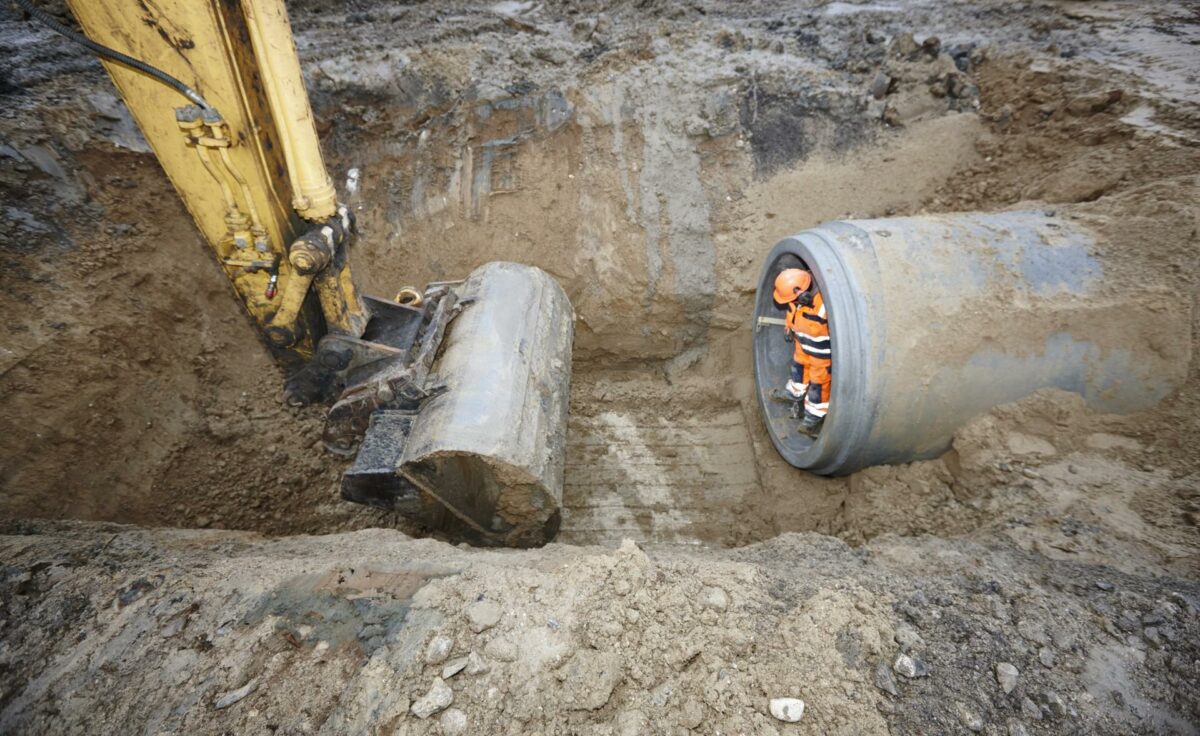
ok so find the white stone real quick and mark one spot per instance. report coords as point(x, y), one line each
point(1006, 675)
point(476, 665)
point(453, 722)
point(439, 697)
point(438, 650)
point(453, 667)
point(909, 667)
point(714, 598)
point(788, 710)
point(483, 615)
point(502, 649)
point(969, 718)
point(234, 696)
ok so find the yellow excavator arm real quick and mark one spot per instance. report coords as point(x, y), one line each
point(460, 426)
point(248, 162)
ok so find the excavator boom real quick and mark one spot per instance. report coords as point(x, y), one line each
point(457, 394)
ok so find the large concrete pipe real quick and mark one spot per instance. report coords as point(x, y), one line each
point(936, 319)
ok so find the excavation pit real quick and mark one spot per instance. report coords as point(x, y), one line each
point(653, 199)
point(647, 156)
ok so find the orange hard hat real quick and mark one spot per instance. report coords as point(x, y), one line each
point(790, 282)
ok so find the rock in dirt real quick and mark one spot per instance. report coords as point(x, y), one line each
point(476, 665)
point(589, 678)
point(692, 714)
point(969, 718)
point(453, 667)
point(880, 85)
point(1016, 728)
point(439, 697)
point(555, 55)
point(885, 680)
point(453, 722)
point(1047, 657)
point(234, 696)
point(502, 649)
point(483, 615)
point(1006, 675)
point(788, 710)
point(910, 667)
point(1054, 704)
point(1092, 104)
point(583, 29)
point(904, 46)
point(714, 598)
point(661, 695)
point(438, 650)
point(908, 638)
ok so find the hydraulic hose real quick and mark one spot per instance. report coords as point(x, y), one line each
point(111, 54)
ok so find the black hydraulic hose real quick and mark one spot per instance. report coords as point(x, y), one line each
point(48, 20)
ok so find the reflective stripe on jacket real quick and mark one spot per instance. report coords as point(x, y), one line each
point(811, 329)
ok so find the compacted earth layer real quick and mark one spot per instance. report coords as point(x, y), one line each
point(158, 571)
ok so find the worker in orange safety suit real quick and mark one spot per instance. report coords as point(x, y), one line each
point(807, 325)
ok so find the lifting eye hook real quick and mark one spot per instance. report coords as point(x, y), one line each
point(410, 297)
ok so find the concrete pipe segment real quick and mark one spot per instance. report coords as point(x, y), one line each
point(936, 319)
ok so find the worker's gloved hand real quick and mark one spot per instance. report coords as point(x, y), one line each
point(788, 335)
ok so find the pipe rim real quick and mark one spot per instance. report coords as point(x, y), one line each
point(848, 423)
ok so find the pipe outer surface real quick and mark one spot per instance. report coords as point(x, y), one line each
point(934, 320)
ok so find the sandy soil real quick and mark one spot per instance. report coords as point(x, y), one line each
point(647, 155)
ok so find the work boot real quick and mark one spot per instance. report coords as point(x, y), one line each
point(781, 394)
point(797, 402)
point(811, 425)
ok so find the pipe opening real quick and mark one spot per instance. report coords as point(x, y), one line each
point(846, 422)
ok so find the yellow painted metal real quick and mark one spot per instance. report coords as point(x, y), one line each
point(240, 175)
point(279, 65)
point(203, 43)
point(341, 303)
point(281, 331)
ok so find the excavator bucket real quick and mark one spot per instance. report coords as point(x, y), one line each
point(460, 401)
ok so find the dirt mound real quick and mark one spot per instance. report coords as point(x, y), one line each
point(212, 632)
point(1030, 474)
